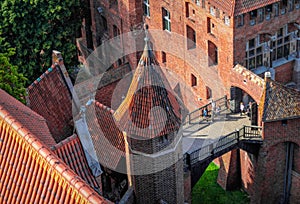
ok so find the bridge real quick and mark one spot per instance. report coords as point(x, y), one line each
point(207, 138)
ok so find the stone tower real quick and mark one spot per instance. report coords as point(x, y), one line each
point(150, 115)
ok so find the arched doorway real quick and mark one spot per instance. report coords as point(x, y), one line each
point(238, 96)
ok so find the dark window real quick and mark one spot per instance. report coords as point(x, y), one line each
point(253, 14)
point(240, 20)
point(279, 52)
point(284, 122)
point(258, 50)
point(280, 32)
point(252, 43)
point(276, 9)
point(212, 54)
point(191, 37)
point(208, 93)
point(163, 57)
point(166, 17)
point(252, 63)
point(187, 10)
point(260, 15)
point(146, 8)
point(193, 80)
point(259, 61)
point(116, 31)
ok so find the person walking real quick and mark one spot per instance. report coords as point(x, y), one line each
point(242, 108)
point(205, 114)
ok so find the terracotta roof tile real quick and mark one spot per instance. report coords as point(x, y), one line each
point(244, 6)
point(150, 108)
point(237, 7)
point(32, 173)
point(71, 152)
point(280, 102)
point(27, 117)
point(49, 96)
point(108, 140)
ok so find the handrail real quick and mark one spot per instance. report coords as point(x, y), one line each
point(225, 142)
point(195, 114)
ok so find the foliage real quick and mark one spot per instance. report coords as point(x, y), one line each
point(208, 191)
point(10, 80)
point(36, 27)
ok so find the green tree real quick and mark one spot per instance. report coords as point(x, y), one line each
point(36, 27)
point(10, 80)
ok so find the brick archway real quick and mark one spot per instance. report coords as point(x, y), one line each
point(247, 81)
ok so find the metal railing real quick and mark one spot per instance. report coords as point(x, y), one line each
point(223, 145)
point(221, 105)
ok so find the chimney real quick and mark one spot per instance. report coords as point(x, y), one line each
point(267, 76)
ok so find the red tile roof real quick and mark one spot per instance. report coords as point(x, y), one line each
point(50, 97)
point(71, 152)
point(30, 172)
point(108, 140)
point(27, 117)
point(150, 108)
point(237, 7)
point(279, 102)
point(104, 94)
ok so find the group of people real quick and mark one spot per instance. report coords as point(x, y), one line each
point(215, 111)
point(246, 110)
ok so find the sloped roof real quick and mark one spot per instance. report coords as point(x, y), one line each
point(49, 96)
point(35, 123)
point(279, 102)
point(71, 152)
point(237, 7)
point(30, 172)
point(107, 138)
point(150, 108)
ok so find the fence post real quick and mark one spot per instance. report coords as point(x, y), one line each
point(238, 135)
point(226, 105)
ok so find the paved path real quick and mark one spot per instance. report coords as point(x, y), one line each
point(197, 134)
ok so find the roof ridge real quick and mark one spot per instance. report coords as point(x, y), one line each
point(47, 72)
point(65, 141)
point(104, 107)
point(51, 159)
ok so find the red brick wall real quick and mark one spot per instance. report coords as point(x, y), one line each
point(187, 186)
point(229, 175)
point(284, 73)
point(268, 183)
point(248, 163)
point(295, 196)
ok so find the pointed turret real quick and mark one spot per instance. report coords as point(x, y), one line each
point(150, 108)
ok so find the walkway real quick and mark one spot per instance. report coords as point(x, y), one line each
point(202, 133)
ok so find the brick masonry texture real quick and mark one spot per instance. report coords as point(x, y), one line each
point(258, 172)
point(49, 96)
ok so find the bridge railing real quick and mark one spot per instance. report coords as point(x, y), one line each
point(221, 105)
point(251, 132)
point(223, 145)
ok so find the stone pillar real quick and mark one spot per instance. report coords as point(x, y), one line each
point(229, 174)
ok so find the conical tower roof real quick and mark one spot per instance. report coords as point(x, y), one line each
point(150, 108)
